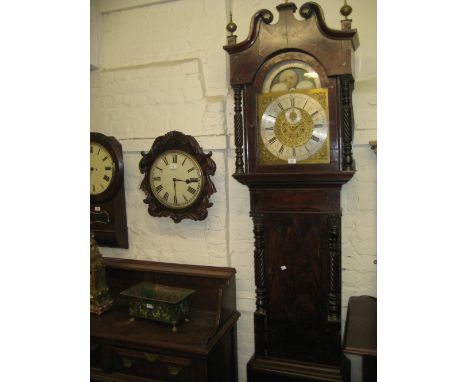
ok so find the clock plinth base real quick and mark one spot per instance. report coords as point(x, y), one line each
point(263, 369)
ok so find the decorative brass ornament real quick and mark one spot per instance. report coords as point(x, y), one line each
point(294, 127)
point(346, 10)
point(100, 299)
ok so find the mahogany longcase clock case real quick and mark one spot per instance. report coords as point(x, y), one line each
point(292, 80)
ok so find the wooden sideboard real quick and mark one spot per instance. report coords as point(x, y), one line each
point(125, 349)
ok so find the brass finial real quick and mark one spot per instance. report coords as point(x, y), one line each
point(231, 28)
point(346, 10)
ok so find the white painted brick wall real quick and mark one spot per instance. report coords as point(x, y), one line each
point(161, 67)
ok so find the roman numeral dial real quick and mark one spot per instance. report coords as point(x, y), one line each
point(102, 169)
point(294, 125)
point(176, 179)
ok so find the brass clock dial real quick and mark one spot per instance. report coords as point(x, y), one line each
point(176, 179)
point(102, 169)
point(294, 127)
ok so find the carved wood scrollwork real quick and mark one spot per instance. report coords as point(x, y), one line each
point(259, 261)
point(238, 129)
point(347, 120)
point(175, 140)
point(334, 247)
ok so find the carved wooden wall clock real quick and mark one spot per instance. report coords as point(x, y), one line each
point(107, 192)
point(177, 179)
point(293, 119)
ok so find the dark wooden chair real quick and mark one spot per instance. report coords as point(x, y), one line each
point(361, 334)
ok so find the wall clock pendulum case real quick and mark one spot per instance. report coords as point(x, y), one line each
point(293, 122)
point(108, 217)
point(177, 179)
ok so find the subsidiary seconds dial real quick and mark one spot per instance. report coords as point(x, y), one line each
point(176, 179)
point(294, 126)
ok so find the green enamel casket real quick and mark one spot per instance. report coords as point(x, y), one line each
point(158, 302)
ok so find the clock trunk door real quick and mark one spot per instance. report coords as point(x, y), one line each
point(297, 263)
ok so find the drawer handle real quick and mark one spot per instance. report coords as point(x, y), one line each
point(128, 362)
point(173, 370)
point(151, 357)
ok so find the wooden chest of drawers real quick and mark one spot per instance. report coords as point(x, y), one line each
point(131, 349)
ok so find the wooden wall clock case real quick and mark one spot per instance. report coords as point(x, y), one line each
point(108, 216)
point(295, 204)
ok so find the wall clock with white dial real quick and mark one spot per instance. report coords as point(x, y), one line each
point(177, 178)
point(103, 168)
point(108, 216)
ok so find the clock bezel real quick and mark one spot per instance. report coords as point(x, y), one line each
point(192, 160)
point(114, 149)
point(175, 140)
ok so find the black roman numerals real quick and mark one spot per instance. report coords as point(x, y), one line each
point(166, 196)
point(281, 149)
point(157, 178)
point(165, 161)
point(159, 188)
point(314, 138)
point(191, 190)
point(174, 158)
point(293, 152)
point(105, 158)
point(106, 178)
point(184, 161)
point(108, 168)
point(272, 140)
point(191, 169)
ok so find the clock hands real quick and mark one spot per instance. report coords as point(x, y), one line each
point(191, 180)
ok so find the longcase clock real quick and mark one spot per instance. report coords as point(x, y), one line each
point(293, 118)
point(108, 217)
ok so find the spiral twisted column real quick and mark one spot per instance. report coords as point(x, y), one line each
point(347, 121)
point(238, 129)
point(259, 261)
point(334, 247)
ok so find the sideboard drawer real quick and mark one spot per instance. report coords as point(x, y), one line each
point(153, 365)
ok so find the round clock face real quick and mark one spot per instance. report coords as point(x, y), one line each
point(294, 126)
point(176, 179)
point(102, 169)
